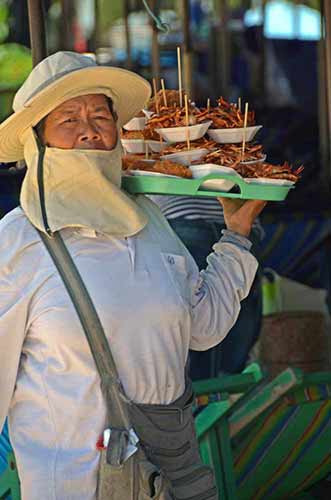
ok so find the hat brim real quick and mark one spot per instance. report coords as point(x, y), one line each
point(129, 92)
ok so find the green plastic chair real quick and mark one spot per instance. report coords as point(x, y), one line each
point(9, 482)
point(225, 386)
point(274, 442)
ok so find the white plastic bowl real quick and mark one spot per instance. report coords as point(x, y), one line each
point(186, 157)
point(148, 113)
point(156, 146)
point(139, 173)
point(136, 123)
point(133, 145)
point(234, 135)
point(268, 180)
point(179, 134)
point(225, 185)
point(251, 162)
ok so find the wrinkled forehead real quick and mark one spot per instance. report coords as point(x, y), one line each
point(88, 101)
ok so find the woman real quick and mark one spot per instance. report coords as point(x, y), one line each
point(153, 303)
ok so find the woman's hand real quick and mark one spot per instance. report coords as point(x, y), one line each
point(239, 215)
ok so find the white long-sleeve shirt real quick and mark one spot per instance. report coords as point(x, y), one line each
point(153, 304)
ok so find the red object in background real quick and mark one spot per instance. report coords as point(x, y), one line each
point(80, 43)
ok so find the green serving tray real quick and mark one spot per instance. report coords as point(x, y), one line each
point(191, 187)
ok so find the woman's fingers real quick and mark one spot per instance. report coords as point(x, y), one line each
point(239, 215)
point(252, 208)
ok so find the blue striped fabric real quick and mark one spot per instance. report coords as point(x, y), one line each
point(189, 207)
point(193, 208)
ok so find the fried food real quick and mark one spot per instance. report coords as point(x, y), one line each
point(142, 164)
point(270, 171)
point(226, 115)
point(172, 97)
point(230, 155)
point(129, 161)
point(182, 146)
point(147, 134)
point(173, 117)
point(132, 134)
point(134, 162)
point(172, 168)
point(150, 134)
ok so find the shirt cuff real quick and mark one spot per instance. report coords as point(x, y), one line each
point(236, 239)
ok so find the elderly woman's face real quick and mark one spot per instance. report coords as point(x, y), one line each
point(84, 122)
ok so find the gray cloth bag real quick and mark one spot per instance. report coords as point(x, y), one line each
point(166, 464)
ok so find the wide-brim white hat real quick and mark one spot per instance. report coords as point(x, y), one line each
point(61, 77)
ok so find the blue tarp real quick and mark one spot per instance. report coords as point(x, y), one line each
point(5, 447)
point(298, 246)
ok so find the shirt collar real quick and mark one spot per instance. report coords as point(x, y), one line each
point(86, 232)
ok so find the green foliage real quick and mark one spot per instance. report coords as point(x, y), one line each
point(234, 4)
point(15, 65)
point(4, 28)
point(109, 12)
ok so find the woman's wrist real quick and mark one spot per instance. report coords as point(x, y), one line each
point(239, 229)
point(230, 236)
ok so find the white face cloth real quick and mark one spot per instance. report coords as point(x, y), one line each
point(81, 189)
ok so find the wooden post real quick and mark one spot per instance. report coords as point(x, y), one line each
point(187, 50)
point(262, 86)
point(126, 11)
point(96, 25)
point(326, 72)
point(223, 51)
point(156, 70)
point(323, 127)
point(68, 14)
point(213, 77)
point(37, 30)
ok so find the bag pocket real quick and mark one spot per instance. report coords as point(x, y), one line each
point(174, 452)
point(167, 436)
point(152, 483)
point(194, 483)
point(137, 479)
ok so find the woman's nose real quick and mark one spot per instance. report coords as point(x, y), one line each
point(89, 133)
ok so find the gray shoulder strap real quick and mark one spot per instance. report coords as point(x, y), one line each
point(110, 383)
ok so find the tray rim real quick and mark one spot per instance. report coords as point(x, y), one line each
point(191, 187)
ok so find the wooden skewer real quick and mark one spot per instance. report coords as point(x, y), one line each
point(244, 132)
point(239, 103)
point(146, 151)
point(164, 93)
point(187, 124)
point(154, 87)
point(156, 97)
point(208, 104)
point(180, 85)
